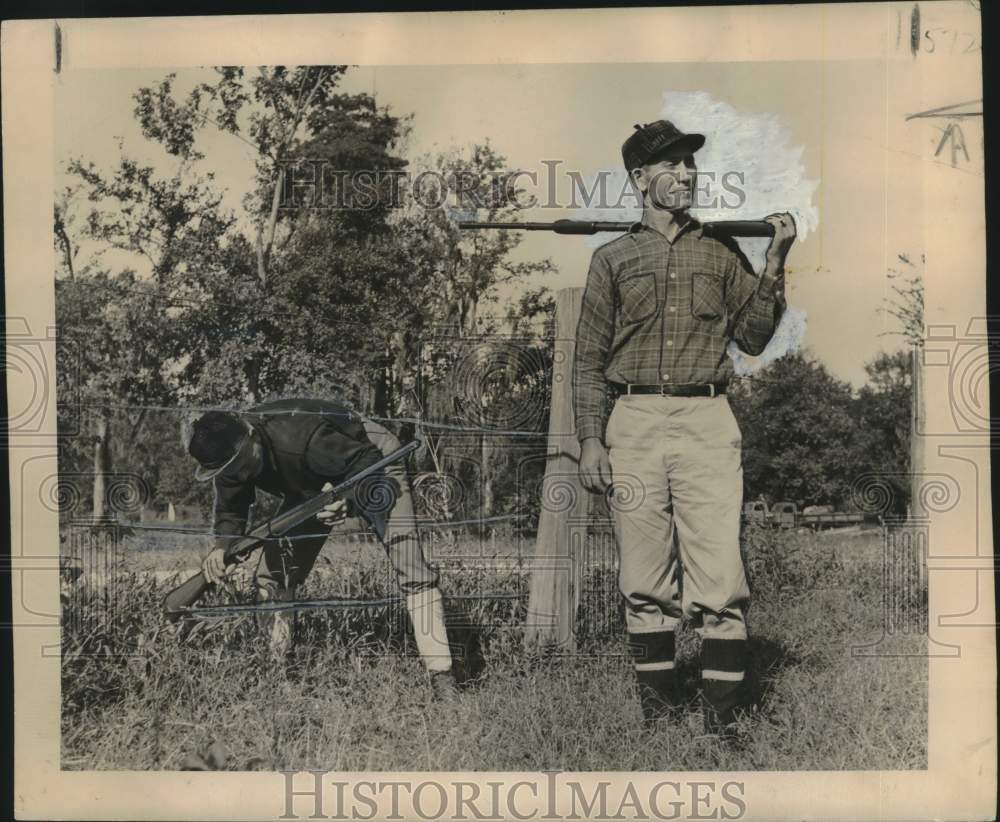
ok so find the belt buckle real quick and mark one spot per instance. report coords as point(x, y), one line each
point(711, 389)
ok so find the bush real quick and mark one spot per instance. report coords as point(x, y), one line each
point(781, 563)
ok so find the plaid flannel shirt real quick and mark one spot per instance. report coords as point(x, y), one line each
point(659, 311)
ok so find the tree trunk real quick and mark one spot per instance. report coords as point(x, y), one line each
point(253, 379)
point(380, 391)
point(102, 464)
point(66, 245)
point(470, 315)
point(401, 370)
point(486, 474)
point(265, 234)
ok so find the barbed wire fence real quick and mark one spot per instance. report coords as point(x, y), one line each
point(483, 564)
point(486, 556)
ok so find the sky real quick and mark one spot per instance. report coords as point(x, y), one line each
point(805, 135)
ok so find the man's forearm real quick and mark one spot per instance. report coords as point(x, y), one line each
point(589, 396)
point(590, 388)
point(760, 319)
point(590, 428)
point(773, 268)
point(593, 340)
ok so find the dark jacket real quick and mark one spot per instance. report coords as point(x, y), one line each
point(307, 443)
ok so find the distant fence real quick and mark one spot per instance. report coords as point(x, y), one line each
point(90, 573)
point(354, 567)
point(568, 576)
point(94, 567)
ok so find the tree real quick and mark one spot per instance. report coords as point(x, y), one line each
point(268, 111)
point(883, 421)
point(64, 227)
point(906, 304)
point(280, 101)
point(296, 276)
point(808, 439)
point(279, 298)
point(534, 313)
point(799, 434)
point(102, 316)
point(465, 363)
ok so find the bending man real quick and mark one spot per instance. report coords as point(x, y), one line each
point(294, 449)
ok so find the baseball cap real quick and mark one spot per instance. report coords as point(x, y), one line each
point(649, 140)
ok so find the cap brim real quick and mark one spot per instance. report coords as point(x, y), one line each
point(695, 141)
point(202, 474)
point(691, 142)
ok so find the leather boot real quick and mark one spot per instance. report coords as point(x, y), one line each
point(443, 685)
point(658, 695)
point(724, 691)
point(653, 658)
point(724, 704)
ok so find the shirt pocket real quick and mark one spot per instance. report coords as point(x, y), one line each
point(707, 299)
point(637, 293)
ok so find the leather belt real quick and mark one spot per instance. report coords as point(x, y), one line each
point(672, 390)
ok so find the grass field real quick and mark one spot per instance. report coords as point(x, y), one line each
point(355, 696)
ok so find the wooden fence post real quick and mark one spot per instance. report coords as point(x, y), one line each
point(565, 502)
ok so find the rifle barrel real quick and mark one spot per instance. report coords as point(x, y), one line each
point(281, 523)
point(177, 601)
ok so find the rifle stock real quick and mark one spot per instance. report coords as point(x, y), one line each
point(190, 591)
point(184, 596)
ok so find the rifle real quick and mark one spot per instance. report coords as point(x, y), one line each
point(188, 593)
point(724, 228)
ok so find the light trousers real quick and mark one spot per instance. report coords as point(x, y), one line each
point(678, 478)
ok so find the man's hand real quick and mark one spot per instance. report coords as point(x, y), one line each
point(784, 236)
point(214, 566)
point(334, 513)
point(595, 469)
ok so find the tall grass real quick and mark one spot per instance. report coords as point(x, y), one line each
point(139, 695)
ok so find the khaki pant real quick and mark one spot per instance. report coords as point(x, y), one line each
point(678, 480)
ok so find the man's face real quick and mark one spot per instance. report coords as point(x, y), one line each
point(669, 180)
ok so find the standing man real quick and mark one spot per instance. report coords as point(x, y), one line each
point(661, 304)
point(294, 449)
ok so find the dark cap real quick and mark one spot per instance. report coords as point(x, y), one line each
point(649, 140)
point(216, 438)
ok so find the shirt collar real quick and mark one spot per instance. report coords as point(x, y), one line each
point(692, 225)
